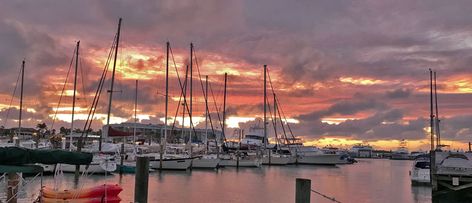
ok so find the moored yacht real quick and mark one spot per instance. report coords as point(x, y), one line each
point(401, 153)
point(420, 172)
point(313, 155)
point(361, 151)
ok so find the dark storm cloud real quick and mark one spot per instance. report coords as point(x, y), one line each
point(348, 107)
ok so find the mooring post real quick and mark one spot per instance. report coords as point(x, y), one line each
point(302, 190)
point(434, 181)
point(141, 180)
point(13, 180)
point(122, 154)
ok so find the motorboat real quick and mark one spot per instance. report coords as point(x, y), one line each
point(313, 155)
point(420, 172)
point(361, 151)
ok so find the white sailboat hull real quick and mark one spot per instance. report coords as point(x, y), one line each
point(171, 164)
point(93, 168)
point(276, 160)
point(47, 168)
point(242, 163)
point(101, 164)
point(204, 162)
point(319, 159)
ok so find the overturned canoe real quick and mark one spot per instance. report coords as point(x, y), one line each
point(98, 191)
point(114, 199)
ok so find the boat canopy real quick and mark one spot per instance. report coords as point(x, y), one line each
point(15, 156)
point(21, 169)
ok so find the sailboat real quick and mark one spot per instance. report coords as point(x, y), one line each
point(270, 156)
point(206, 161)
point(164, 160)
point(241, 158)
point(303, 154)
point(104, 159)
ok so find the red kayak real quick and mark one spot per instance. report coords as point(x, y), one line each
point(98, 191)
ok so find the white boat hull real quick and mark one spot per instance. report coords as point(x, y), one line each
point(276, 160)
point(204, 162)
point(319, 159)
point(171, 164)
point(420, 176)
point(93, 168)
point(242, 163)
point(47, 168)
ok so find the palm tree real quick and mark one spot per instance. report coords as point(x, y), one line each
point(42, 128)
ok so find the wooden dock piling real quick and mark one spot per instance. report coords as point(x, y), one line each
point(141, 180)
point(302, 190)
point(13, 180)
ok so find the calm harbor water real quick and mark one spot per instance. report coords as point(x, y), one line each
point(370, 180)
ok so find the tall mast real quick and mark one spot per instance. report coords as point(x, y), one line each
point(112, 83)
point(21, 96)
point(438, 132)
point(206, 111)
point(135, 112)
point(275, 123)
point(73, 94)
point(265, 107)
point(224, 107)
point(164, 141)
point(191, 92)
point(184, 105)
point(431, 108)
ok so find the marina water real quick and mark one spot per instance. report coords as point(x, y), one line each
point(370, 180)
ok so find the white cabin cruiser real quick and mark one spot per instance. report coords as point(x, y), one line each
point(313, 155)
point(420, 172)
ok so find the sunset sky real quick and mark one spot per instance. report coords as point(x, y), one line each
point(345, 72)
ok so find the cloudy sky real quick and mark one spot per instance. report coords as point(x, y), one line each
point(344, 71)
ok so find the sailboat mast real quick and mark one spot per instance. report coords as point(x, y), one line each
point(184, 105)
point(224, 107)
point(438, 131)
point(135, 112)
point(21, 97)
point(265, 107)
point(275, 124)
point(431, 108)
point(206, 111)
point(164, 141)
point(191, 95)
point(74, 93)
point(112, 83)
